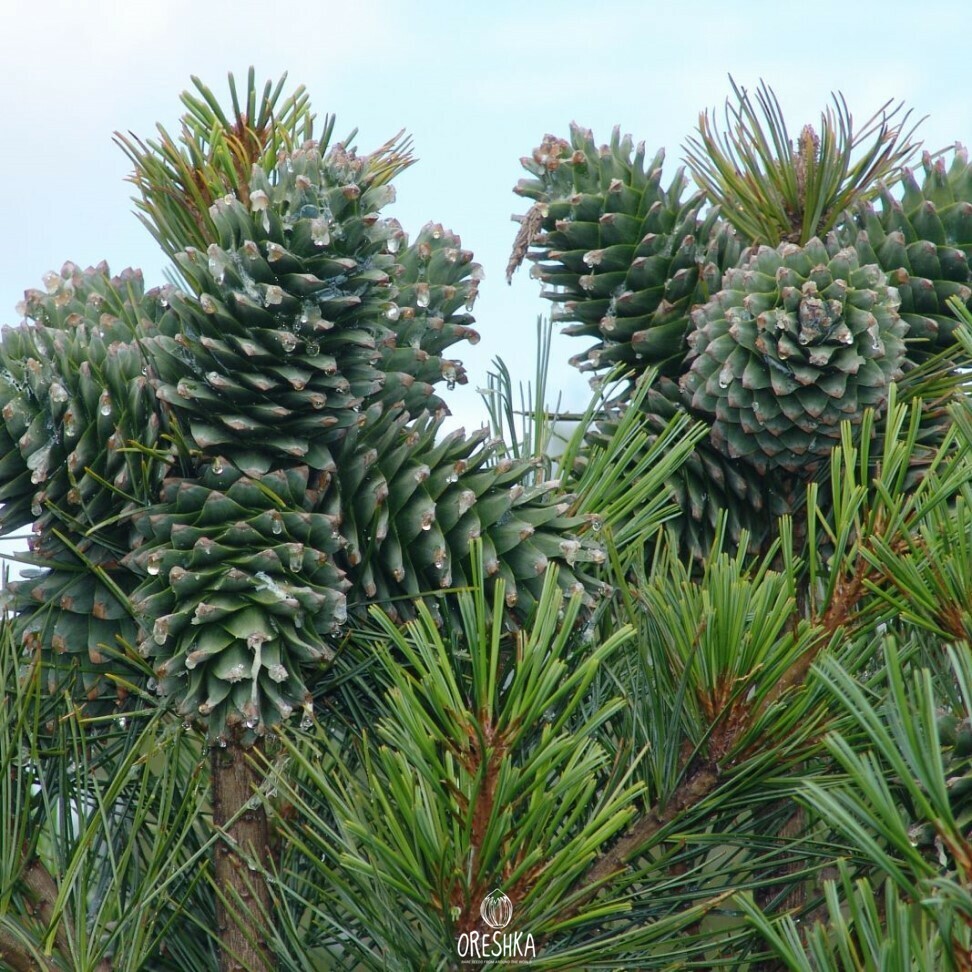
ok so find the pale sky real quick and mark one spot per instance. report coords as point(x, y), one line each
point(477, 86)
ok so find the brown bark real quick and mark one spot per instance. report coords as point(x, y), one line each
point(17, 957)
point(43, 892)
point(242, 893)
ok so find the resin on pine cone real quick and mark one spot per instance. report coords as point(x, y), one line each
point(271, 356)
point(310, 354)
point(798, 340)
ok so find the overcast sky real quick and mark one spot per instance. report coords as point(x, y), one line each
point(476, 84)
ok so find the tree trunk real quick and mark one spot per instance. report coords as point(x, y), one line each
point(242, 893)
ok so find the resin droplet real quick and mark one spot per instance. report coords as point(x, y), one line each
point(236, 674)
point(569, 549)
point(217, 265)
point(319, 231)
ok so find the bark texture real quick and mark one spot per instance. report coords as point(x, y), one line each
point(243, 896)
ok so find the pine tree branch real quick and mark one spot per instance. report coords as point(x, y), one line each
point(846, 597)
point(242, 894)
point(693, 789)
point(43, 891)
point(16, 957)
point(488, 752)
point(732, 721)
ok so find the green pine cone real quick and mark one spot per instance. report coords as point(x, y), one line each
point(924, 242)
point(412, 501)
point(622, 258)
point(798, 340)
point(240, 594)
point(281, 346)
point(76, 399)
point(74, 391)
point(310, 308)
point(74, 614)
point(437, 283)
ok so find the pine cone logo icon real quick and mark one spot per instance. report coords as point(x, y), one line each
point(496, 909)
